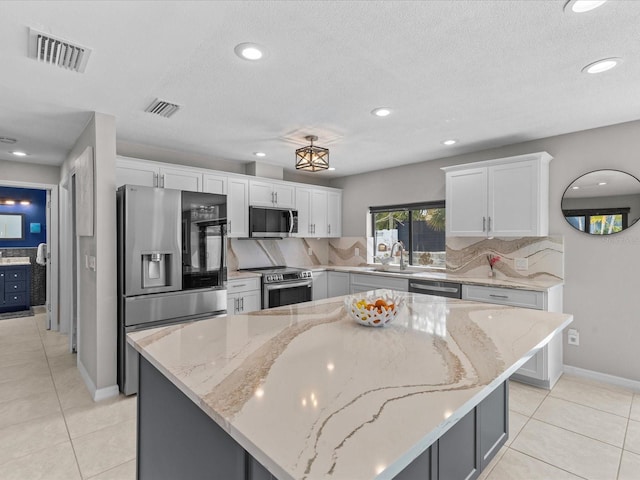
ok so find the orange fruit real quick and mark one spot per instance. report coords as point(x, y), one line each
point(381, 303)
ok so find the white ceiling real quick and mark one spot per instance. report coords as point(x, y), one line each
point(488, 73)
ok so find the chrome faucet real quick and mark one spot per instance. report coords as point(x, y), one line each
point(403, 266)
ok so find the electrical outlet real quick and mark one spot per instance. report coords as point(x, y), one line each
point(310, 251)
point(573, 337)
point(521, 264)
point(357, 252)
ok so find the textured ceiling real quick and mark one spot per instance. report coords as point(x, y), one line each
point(488, 73)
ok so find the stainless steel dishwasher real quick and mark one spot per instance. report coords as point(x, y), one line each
point(436, 288)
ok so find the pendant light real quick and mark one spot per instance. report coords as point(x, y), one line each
point(312, 158)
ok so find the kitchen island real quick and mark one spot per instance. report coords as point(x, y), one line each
point(303, 392)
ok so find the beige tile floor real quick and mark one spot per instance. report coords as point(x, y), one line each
point(51, 429)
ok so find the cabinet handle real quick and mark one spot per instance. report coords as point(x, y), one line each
point(506, 297)
point(155, 179)
point(329, 229)
point(489, 225)
point(484, 223)
point(162, 177)
point(238, 285)
point(241, 300)
point(276, 198)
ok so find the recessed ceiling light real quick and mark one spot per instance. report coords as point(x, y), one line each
point(451, 141)
point(331, 169)
point(18, 153)
point(575, 188)
point(602, 183)
point(602, 65)
point(260, 154)
point(249, 51)
point(381, 112)
point(582, 6)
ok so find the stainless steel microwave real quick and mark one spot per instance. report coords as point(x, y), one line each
point(272, 222)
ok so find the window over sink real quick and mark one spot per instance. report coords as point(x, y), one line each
point(419, 226)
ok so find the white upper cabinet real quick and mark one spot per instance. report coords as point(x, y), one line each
point(271, 194)
point(237, 207)
point(148, 174)
point(180, 179)
point(319, 212)
point(334, 214)
point(214, 183)
point(507, 197)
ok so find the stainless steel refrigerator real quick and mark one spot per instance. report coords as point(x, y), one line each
point(171, 264)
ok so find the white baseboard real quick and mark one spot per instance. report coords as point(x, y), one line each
point(97, 393)
point(603, 377)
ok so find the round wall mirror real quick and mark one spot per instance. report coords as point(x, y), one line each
point(602, 202)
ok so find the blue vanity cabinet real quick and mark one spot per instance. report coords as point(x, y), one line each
point(15, 288)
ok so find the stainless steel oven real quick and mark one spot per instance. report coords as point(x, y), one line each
point(285, 286)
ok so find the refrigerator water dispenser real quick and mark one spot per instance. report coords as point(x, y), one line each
point(156, 270)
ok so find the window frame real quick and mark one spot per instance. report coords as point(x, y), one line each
point(587, 213)
point(410, 208)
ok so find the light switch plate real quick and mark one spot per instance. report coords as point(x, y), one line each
point(357, 252)
point(522, 264)
point(310, 251)
point(573, 337)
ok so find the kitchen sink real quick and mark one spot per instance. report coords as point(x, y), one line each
point(388, 269)
point(13, 260)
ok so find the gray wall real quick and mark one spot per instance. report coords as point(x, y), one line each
point(97, 320)
point(601, 274)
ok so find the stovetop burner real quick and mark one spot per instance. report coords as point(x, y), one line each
point(279, 274)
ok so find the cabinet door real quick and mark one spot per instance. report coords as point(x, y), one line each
point(180, 179)
point(233, 300)
point(337, 284)
point(238, 207)
point(466, 201)
point(513, 200)
point(319, 213)
point(261, 194)
point(250, 302)
point(320, 285)
point(131, 174)
point(284, 195)
point(303, 205)
point(214, 184)
point(334, 214)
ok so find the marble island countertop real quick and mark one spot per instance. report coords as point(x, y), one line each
point(311, 394)
point(541, 285)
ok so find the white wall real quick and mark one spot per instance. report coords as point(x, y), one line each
point(97, 317)
point(601, 274)
point(29, 172)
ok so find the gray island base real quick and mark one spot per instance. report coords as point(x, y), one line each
point(177, 440)
point(302, 392)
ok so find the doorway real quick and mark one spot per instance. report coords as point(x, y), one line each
point(51, 240)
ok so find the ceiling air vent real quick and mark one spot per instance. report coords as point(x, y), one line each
point(57, 51)
point(162, 108)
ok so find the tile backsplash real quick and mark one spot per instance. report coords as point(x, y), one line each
point(467, 256)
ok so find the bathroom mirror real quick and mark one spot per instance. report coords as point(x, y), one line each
point(11, 226)
point(602, 202)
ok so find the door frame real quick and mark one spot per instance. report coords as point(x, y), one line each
point(52, 239)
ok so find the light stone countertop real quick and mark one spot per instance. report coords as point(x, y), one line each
point(13, 261)
point(311, 394)
point(521, 284)
point(239, 275)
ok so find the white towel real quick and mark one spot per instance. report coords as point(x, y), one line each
point(41, 256)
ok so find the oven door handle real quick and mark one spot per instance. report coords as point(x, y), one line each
point(280, 286)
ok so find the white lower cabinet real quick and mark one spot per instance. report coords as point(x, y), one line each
point(243, 295)
point(320, 285)
point(361, 282)
point(545, 367)
point(337, 284)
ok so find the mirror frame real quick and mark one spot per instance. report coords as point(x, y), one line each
point(598, 211)
point(22, 226)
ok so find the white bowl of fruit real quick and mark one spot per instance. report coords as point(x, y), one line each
point(373, 311)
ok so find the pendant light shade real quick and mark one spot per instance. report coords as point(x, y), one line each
point(312, 158)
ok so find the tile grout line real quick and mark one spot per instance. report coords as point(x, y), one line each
point(592, 407)
point(55, 387)
point(624, 442)
point(550, 464)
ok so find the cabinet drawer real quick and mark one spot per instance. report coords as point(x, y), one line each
point(15, 298)
point(504, 296)
point(377, 281)
point(14, 274)
point(243, 285)
point(14, 287)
